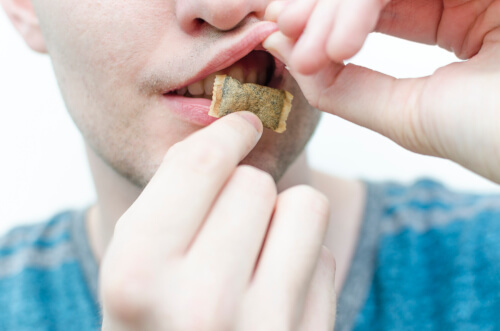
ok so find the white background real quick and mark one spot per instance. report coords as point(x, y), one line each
point(43, 167)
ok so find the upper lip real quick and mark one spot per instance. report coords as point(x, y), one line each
point(227, 56)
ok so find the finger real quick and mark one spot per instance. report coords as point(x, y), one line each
point(309, 54)
point(312, 87)
point(321, 301)
point(389, 106)
point(293, 19)
point(458, 26)
point(225, 251)
point(165, 217)
point(274, 10)
point(279, 46)
point(415, 20)
point(365, 97)
point(288, 259)
point(355, 20)
point(172, 207)
point(486, 22)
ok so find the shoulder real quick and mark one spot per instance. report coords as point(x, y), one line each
point(427, 205)
point(41, 280)
point(426, 223)
point(31, 245)
point(437, 258)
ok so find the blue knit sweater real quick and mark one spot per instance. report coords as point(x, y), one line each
point(427, 259)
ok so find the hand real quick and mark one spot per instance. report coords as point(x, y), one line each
point(209, 245)
point(454, 114)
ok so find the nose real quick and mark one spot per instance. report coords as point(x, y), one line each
point(224, 15)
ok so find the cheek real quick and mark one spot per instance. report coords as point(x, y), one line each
point(102, 41)
point(98, 49)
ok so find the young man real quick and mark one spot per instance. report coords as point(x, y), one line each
point(190, 231)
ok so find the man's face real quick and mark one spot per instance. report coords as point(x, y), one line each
point(123, 68)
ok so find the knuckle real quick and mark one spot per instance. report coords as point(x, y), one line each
point(202, 312)
point(286, 24)
point(173, 152)
point(240, 131)
point(257, 180)
point(207, 157)
point(127, 278)
point(202, 157)
point(258, 312)
point(308, 198)
point(327, 260)
point(120, 300)
point(197, 322)
point(414, 135)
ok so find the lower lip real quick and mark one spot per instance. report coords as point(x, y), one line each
point(192, 110)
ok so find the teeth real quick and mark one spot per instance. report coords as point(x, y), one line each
point(204, 88)
point(237, 73)
point(209, 84)
point(196, 88)
point(252, 77)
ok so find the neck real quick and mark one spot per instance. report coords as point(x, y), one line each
point(115, 195)
point(299, 173)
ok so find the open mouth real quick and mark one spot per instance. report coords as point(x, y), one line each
point(258, 67)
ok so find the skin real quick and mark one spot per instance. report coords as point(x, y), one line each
point(176, 214)
point(133, 134)
point(146, 170)
point(430, 115)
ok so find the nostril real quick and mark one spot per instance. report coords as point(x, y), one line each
point(222, 15)
point(199, 21)
point(193, 25)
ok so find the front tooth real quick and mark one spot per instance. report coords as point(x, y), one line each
point(209, 84)
point(237, 73)
point(252, 77)
point(182, 91)
point(196, 88)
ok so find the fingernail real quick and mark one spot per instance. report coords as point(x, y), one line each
point(252, 119)
point(272, 45)
point(273, 10)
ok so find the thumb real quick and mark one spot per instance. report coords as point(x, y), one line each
point(279, 45)
point(365, 97)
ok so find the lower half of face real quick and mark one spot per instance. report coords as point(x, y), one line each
point(134, 137)
point(121, 71)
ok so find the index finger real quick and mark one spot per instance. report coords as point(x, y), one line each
point(167, 215)
point(415, 20)
point(458, 26)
